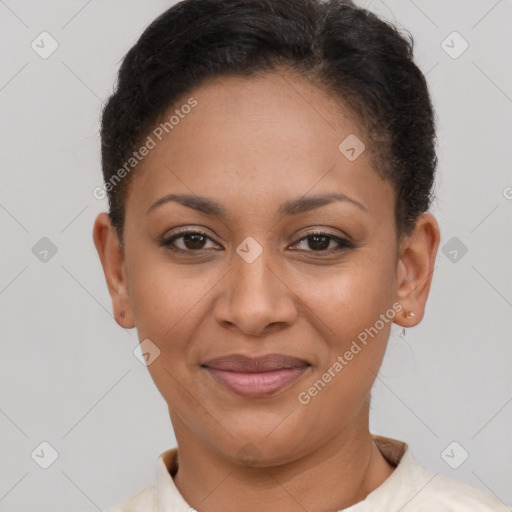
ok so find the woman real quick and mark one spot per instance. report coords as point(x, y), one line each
point(269, 166)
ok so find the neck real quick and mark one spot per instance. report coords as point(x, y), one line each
point(336, 475)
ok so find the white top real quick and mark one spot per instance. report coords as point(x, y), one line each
point(410, 488)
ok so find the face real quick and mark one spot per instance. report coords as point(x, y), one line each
point(284, 246)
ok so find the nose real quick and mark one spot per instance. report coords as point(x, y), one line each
point(255, 297)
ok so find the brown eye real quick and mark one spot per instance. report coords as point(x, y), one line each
point(194, 241)
point(187, 241)
point(321, 242)
point(318, 242)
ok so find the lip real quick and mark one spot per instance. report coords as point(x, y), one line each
point(256, 376)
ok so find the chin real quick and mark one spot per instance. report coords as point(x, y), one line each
point(253, 446)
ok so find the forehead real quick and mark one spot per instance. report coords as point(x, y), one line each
point(265, 137)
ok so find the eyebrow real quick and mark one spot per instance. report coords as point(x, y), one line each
point(291, 207)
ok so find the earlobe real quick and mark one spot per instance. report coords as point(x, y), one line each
point(112, 260)
point(415, 269)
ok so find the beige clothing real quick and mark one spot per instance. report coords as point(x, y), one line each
point(410, 488)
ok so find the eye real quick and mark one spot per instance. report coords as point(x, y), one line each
point(196, 241)
point(189, 241)
point(320, 241)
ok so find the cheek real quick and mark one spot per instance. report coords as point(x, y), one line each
point(166, 298)
point(355, 346)
point(350, 301)
point(349, 297)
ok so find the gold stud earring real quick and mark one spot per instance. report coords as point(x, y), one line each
point(409, 314)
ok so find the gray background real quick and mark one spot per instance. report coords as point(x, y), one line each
point(68, 375)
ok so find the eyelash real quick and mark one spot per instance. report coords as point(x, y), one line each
point(343, 244)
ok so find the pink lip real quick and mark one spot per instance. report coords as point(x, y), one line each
point(254, 377)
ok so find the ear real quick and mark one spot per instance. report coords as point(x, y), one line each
point(112, 260)
point(415, 269)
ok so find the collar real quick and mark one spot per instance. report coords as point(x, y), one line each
point(396, 452)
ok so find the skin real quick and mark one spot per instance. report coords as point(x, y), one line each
point(250, 145)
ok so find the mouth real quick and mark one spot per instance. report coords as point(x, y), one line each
point(256, 377)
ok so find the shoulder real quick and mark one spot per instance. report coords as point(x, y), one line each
point(445, 494)
point(436, 492)
point(148, 498)
point(414, 488)
point(145, 500)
